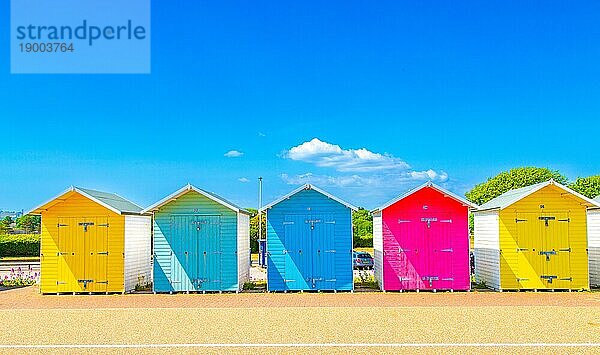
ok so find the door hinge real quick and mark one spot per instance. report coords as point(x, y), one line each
point(62, 225)
point(329, 251)
point(102, 282)
point(565, 220)
point(447, 250)
point(103, 225)
point(446, 221)
point(448, 279)
point(330, 222)
point(403, 221)
point(568, 250)
point(287, 223)
point(520, 220)
point(522, 249)
point(405, 279)
point(102, 253)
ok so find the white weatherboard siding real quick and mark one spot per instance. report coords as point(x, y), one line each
point(138, 242)
point(487, 248)
point(243, 251)
point(594, 246)
point(378, 247)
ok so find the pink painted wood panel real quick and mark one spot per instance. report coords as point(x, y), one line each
point(426, 243)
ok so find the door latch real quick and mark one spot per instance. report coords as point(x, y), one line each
point(85, 225)
point(547, 254)
point(430, 279)
point(547, 219)
point(428, 221)
point(549, 278)
point(85, 283)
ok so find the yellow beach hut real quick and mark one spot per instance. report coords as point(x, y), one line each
point(533, 238)
point(93, 241)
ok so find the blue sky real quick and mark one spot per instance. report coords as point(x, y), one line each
point(395, 93)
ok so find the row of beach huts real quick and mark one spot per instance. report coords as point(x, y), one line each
point(544, 236)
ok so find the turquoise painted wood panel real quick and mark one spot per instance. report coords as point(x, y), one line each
point(195, 246)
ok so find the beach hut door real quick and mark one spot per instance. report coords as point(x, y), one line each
point(556, 250)
point(323, 252)
point(96, 256)
point(207, 263)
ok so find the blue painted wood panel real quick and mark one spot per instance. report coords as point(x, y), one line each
point(309, 244)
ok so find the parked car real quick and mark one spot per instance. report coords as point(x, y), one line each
point(362, 260)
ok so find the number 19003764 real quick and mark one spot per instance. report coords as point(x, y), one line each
point(46, 47)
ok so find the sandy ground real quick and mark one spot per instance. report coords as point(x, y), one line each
point(322, 323)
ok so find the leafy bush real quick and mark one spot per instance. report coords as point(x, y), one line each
point(18, 278)
point(366, 279)
point(363, 242)
point(20, 245)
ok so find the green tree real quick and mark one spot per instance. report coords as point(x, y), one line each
point(512, 179)
point(588, 186)
point(29, 223)
point(254, 229)
point(362, 223)
point(6, 225)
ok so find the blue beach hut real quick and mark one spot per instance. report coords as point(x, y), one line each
point(201, 243)
point(309, 242)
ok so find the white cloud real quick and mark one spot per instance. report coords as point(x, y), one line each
point(385, 181)
point(233, 154)
point(328, 155)
point(243, 179)
point(261, 134)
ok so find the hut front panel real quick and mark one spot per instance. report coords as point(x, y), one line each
point(487, 249)
point(426, 243)
point(594, 246)
point(195, 246)
point(309, 244)
point(138, 246)
point(82, 248)
point(378, 248)
point(543, 242)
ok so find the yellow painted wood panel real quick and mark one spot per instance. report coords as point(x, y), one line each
point(521, 265)
point(63, 260)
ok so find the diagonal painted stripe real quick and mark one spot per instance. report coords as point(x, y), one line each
point(323, 345)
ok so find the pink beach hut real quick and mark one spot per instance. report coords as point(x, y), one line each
point(421, 241)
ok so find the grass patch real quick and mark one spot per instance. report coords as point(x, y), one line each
point(255, 286)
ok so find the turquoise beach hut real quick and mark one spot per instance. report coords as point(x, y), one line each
point(201, 243)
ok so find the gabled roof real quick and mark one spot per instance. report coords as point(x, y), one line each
point(309, 187)
point(184, 190)
point(431, 185)
point(111, 201)
point(513, 196)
